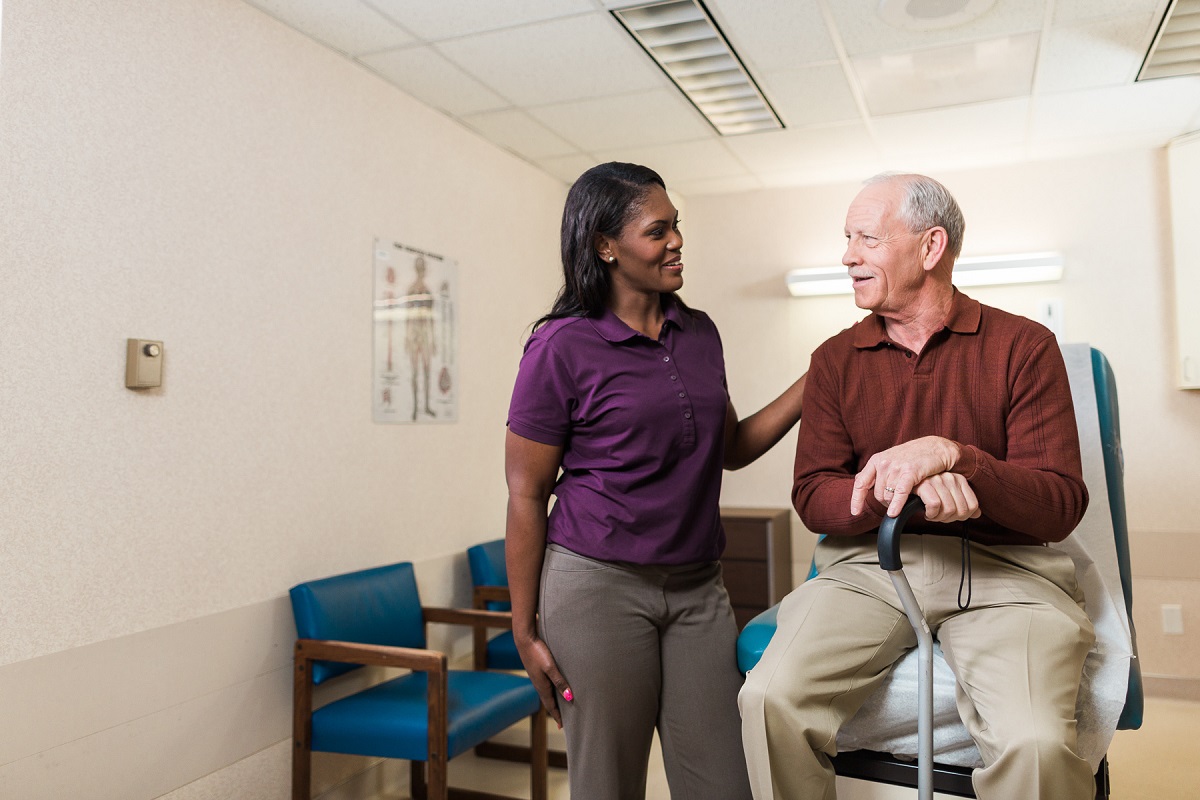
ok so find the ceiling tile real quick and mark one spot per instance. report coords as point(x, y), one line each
point(807, 148)
point(350, 27)
point(863, 31)
point(1086, 55)
point(774, 36)
point(937, 162)
point(642, 119)
point(567, 168)
point(811, 95)
point(446, 18)
point(557, 61)
point(520, 133)
point(1075, 10)
point(945, 76)
point(427, 76)
point(953, 132)
point(699, 160)
point(1140, 112)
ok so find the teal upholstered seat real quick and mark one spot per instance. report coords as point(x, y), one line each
point(431, 714)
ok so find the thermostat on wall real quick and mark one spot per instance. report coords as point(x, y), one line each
point(143, 363)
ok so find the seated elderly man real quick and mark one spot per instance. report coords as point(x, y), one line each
point(966, 406)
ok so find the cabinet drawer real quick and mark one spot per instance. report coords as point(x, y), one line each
point(747, 583)
point(746, 539)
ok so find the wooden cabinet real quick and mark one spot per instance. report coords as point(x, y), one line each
point(757, 564)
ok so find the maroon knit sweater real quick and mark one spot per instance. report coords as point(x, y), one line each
point(991, 381)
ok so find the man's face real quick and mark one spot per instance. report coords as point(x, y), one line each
point(883, 256)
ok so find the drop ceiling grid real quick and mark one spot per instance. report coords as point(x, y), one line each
point(558, 82)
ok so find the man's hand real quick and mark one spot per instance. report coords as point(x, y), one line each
point(895, 473)
point(947, 498)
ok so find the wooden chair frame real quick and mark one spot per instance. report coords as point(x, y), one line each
point(501, 752)
point(434, 785)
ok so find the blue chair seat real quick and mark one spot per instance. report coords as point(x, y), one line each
point(755, 637)
point(390, 720)
point(502, 652)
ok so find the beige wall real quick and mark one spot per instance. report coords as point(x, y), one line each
point(1108, 216)
point(195, 172)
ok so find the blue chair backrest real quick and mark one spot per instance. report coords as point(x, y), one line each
point(371, 606)
point(488, 568)
point(1114, 473)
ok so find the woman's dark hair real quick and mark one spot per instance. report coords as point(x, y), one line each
point(601, 202)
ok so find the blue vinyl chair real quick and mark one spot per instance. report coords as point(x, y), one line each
point(427, 716)
point(955, 780)
point(489, 577)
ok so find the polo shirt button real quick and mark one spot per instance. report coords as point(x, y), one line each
point(687, 415)
point(908, 355)
point(674, 377)
point(681, 394)
point(666, 358)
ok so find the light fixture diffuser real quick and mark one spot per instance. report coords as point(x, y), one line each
point(979, 271)
point(1176, 47)
point(687, 45)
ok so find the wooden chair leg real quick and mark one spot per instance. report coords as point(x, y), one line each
point(417, 781)
point(438, 692)
point(537, 756)
point(301, 729)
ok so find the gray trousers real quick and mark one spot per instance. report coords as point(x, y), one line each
point(645, 647)
point(1017, 653)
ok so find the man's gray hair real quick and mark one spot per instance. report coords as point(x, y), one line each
point(928, 204)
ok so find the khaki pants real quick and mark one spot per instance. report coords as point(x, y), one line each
point(1017, 653)
point(645, 647)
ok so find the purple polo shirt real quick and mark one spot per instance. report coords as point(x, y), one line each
point(641, 424)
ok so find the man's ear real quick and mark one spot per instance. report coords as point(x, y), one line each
point(934, 247)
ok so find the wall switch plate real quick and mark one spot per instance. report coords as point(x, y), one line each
point(1172, 619)
point(143, 363)
point(1050, 314)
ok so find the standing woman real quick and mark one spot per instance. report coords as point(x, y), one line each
point(619, 612)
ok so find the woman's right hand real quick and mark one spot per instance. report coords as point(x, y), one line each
point(543, 671)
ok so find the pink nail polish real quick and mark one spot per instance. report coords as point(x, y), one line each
point(567, 695)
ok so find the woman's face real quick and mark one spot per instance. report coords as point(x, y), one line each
point(646, 256)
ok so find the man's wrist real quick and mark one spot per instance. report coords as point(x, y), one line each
point(965, 461)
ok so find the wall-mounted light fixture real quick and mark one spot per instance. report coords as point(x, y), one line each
point(985, 271)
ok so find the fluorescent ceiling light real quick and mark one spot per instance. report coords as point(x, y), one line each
point(985, 271)
point(1176, 47)
point(687, 45)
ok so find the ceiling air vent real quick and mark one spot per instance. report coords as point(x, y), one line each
point(1176, 48)
point(686, 43)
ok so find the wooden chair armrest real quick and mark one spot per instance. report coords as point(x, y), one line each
point(371, 654)
point(491, 594)
point(474, 618)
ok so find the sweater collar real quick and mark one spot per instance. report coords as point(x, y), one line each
point(964, 316)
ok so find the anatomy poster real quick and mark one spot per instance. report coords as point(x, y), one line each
point(416, 377)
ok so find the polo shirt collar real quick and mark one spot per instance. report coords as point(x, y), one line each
point(610, 326)
point(964, 317)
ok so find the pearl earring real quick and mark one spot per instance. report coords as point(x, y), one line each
point(612, 259)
